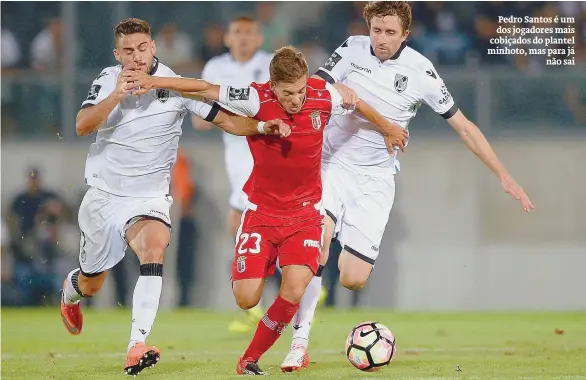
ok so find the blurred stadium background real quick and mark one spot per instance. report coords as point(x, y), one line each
point(455, 241)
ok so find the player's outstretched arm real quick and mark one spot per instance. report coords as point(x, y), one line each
point(140, 83)
point(477, 143)
point(90, 118)
point(245, 126)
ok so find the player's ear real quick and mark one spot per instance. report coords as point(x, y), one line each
point(117, 55)
point(153, 47)
point(405, 35)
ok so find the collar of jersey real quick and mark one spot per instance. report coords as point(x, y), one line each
point(155, 66)
point(394, 57)
point(233, 60)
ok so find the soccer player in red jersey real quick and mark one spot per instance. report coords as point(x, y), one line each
point(283, 219)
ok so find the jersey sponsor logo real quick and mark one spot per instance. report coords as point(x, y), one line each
point(162, 95)
point(311, 243)
point(315, 120)
point(94, 91)
point(446, 94)
point(241, 264)
point(365, 69)
point(332, 61)
point(401, 82)
point(431, 74)
point(374, 248)
point(239, 93)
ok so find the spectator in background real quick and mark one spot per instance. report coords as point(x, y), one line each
point(275, 26)
point(47, 58)
point(183, 189)
point(11, 53)
point(214, 42)
point(175, 49)
point(35, 217)
point(10, 56)
point(47, 47)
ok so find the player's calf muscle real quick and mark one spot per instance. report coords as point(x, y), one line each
point(90, 286)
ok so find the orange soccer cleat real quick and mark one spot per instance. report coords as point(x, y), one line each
point(140, 357)
point(248, 367)
point(71, 315)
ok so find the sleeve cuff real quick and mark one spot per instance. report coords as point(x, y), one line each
point(86, 105)
point(449, 113)
point(325, 76)
point(213, 113)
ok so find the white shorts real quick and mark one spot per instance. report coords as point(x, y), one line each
point(103, 221)
point(239, 166)
point(360, 205)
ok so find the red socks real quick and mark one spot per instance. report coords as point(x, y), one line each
point(270, 328)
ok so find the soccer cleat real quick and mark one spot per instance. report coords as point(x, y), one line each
point(140, 357)
point(296, 359)
point(246, 321)
point(71, 315)
point(248, 367)
point(322, 296)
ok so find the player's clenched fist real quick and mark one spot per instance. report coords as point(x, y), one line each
point(277, 127)
point(122, 90)
point(137, 82)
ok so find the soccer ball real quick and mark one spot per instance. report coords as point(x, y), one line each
point(370, 346)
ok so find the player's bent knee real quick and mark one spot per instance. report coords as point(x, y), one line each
point(246, 301)
point(292, 292)
point(352, 282)
point(355, 269)
point(153, 254)
point(247, 293)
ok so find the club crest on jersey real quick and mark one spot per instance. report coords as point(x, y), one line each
point(400, 82)
point(241, 264)
point(162, 95)
point(315, 120)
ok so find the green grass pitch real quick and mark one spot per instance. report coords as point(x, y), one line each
point(197, 345)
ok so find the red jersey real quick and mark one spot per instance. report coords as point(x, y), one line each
point(286, 176)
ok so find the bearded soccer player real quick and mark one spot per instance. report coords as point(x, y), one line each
point(358, 175)
point(128, 170)
point(283, 219)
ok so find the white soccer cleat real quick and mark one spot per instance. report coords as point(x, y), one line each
point(296, 359)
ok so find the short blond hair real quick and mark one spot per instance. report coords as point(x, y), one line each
point(288, 65)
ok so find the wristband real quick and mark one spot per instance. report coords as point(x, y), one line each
point(261, 127)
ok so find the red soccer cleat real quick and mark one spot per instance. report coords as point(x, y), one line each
point(71, 315)
point(248, 367)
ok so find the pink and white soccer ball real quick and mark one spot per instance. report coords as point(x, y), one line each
point(370, 346)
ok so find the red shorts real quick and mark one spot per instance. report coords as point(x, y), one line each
point(262, 239)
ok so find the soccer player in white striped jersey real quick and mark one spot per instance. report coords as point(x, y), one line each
point(357, 172)
point(128, 170)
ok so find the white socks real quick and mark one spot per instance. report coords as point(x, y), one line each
point(71, 292)
point(145, 302)
point(302, 320)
